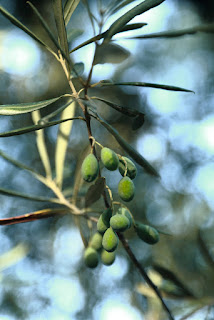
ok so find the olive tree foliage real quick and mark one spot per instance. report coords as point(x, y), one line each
point(90, 200)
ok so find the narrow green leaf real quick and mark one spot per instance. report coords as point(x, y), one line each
point(207, 28)
point(125, 110)
point(60, 24)
point(14, 109)
point(77, 70)
point(24, 130)
point(120, 6)
point(49, 32)
point(100, 36)
point(145, 84)
point(72, 34)
point(18, 24)
point(138, 121)
point(69, 8)
point(41, 146)
point(54, 113)
point(22, 166)
point(13, 193)
point(62, 142)
point(124, 19)
point(126, 147)
point(110, 53)
point(94, 192)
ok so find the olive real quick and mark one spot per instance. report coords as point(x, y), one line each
point(131, 168)
point(126, 213)
point(119, 222)
point(110, 240)
point(107, 258)
point(96, 241)
point(90, 168)
point(109, 159)
point(147, 233)
point(126, 189)
point(91, 257)
point(103, 222)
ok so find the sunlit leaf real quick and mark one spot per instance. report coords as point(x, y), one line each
point(40, 139)
point(14, 109)
point(13, 193)
point(94, 192)
point(207, 28)
point(32, 216)
point(135, 155)
point(145, 84)
point(24, 130)
point(110, 53)
point(69, 8)
point(13, 256)
point(18, 24)
point(125, 110)
point(62, 142)
point(124, 19)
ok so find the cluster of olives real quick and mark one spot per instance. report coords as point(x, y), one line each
point(106, 239)
point(111, 161)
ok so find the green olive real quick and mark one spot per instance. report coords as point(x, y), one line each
point(109, 159)
point(104, 221)
point(110, 240)
point(126, 189)
point(96, 241)
point(90, 168)
point(108, 258)
point(126, 213)
point(146, 233)
point(91, 257)
point(119, 222)
point(131, 168)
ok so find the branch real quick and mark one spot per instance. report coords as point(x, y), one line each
point(143, 273)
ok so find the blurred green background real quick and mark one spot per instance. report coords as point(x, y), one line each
point(42, 271)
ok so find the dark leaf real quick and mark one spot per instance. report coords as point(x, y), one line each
point(14, 193)
point(145, 84)
point(138, 121)
point(94, 192)
point(69, 8)
point(110, 53)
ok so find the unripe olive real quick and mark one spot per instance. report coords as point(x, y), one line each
point(119, 222)
point(146, 233)
point(110, 240)
point(108, 258)
point(103, 222)
point(131, 168)
point(90, 168)
point(126, 189)
point(91, 257)
point(126, 213)
point(109, 159)
point(96, 241)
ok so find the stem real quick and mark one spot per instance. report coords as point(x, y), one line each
point(143, 273)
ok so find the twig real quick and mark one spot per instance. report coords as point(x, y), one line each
point(143, 273)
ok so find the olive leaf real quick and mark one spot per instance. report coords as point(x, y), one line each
point(124, 19)
point(145, 84)
point(125, 110)
point(77, 70)
point(138, 121)
point(207, 28)
point(72, 34)
point(110, 53)
point(13, 193)
point(116, 8)
point(128, 27)
point(69, 8)
point(64, 131)
point(28, 129)
point(41, 145)
point(18, 24)
point(94, 192)
point(135, 155)
point(14, 109)
point(49, 32)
